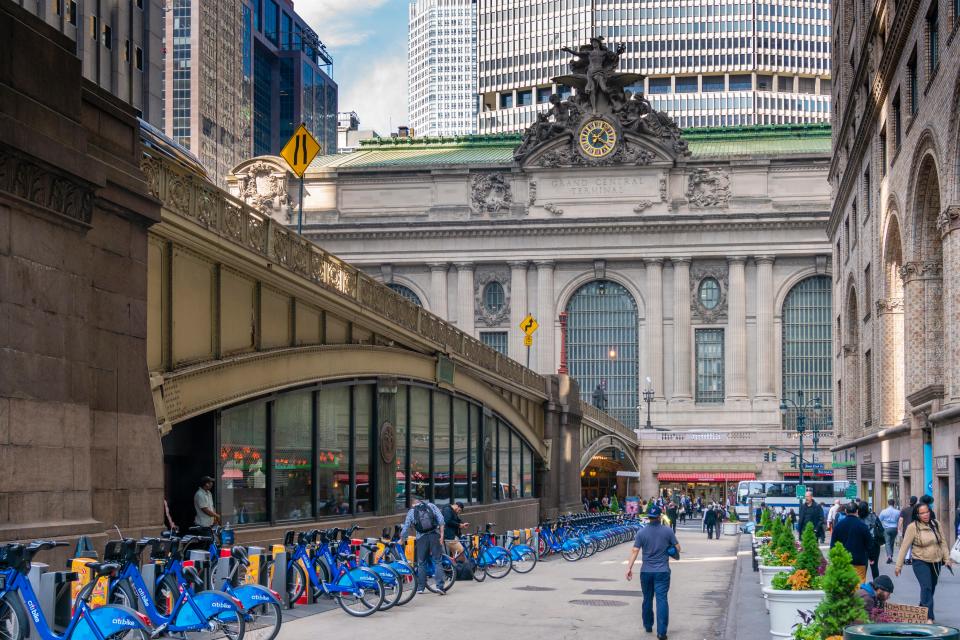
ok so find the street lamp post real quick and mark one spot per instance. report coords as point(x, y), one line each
point(648, 398)
point(801, 408)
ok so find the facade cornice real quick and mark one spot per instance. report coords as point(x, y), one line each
point(886, 70)
point(545, 228)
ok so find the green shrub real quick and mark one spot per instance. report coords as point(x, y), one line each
point(841, 606)
point(810, 557)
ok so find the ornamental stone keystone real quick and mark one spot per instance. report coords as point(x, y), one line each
point(949, 219)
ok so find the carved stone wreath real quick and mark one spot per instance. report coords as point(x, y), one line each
point(490, 193)
point(700, 271)
point(708, 188)
point(482, 314)
point(264, 187)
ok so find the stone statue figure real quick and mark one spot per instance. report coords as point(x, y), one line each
point(596, 63)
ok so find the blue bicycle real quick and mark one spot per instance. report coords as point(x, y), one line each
point(359, 591)
point(111, 622)
point(180, 609)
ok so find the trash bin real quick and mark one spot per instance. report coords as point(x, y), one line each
point(899, 630)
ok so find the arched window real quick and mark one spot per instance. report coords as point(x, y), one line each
point(493, 297)
point(602, 349)
point(807, 345)
point(406, 292)
point(709, 293)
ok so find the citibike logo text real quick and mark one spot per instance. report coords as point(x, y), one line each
point(33, 612)
point(123, 622)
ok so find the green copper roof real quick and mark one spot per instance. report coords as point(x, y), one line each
point(719, 142)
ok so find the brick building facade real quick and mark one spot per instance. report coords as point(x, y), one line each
point(895, 234)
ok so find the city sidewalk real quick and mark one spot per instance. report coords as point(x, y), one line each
point(747, 617)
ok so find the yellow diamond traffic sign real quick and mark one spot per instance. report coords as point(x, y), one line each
point(300, 150)
point(528, 341)
point(529, 324)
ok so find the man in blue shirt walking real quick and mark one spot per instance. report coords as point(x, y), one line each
point(655, 540)
point(889, 518)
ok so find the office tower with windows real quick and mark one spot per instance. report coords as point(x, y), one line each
point(241, 76)
point(706, 62)
point(120, 45)
point(442, 67)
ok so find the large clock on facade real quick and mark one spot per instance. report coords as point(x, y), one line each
point(598, 138)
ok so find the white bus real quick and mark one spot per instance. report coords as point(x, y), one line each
point(783, 493)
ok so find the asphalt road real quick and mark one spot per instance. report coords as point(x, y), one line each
point(558, 600)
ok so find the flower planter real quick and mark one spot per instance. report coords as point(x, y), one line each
point(766, 578)
point(731, 528)
point(784, 608)
point(759, 540)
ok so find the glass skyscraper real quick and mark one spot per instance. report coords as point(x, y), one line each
point(705, 62)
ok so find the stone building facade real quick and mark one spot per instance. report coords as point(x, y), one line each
point(895, 231)
point(700, 252)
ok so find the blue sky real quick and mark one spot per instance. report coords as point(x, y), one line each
point(368, 41)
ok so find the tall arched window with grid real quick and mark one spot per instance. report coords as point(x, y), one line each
point(807, 344)
point(602, 348)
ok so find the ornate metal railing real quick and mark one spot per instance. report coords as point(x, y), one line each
point(760, 436)
point(202, 203)
point(605, 421)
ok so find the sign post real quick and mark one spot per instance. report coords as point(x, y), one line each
point(529, 326)
point(299, 152)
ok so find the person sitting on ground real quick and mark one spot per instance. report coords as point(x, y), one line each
point(875, 594)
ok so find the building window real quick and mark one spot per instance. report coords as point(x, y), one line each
point(494, 298)
point(506, 100)
point(709, 293)
point(659, 85)
point(867, 294)
point(72, 17)
point(883, 148)
point(292, 425)
point(333, 451)
point(525, 98)
point(687, 84)
point(867, 195)
point(441, 448)
point(107, 36)
point(406, 292)
point(543, 95)
point(139, 58)
point(271, 21)
point(602, 346)
point(94, 28)
point(741, 82)
point(496, 340)
point(709, 354)
point(846, 235)
point(419, 442)
point(914, 84)
point(785, 84)
point(854, 227)
point(807, 343)
point(764, 83)
point(897, 122)
point(868, 388)
point(241, 479)
point(933, 37)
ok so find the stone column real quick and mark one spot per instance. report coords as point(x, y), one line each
point(438, 288)
point(892, 402)
point(654, 313)
point(465, 297)
point(766, 350)
point(543, 339)
point(923, 315)
point(385, 444)
point(736, 339)
point(518, 308)
point(681, 330)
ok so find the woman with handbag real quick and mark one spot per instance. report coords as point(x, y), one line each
point(929, 549)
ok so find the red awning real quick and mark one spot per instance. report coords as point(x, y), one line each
point(826, 474)
point(705, 476)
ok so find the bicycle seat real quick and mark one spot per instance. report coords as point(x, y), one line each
point(191, 574)
point(344, 557)
point(103, 568)
point(240, 554)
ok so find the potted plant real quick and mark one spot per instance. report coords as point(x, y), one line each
point(796, 590)
point(780, 552)
point(840, 607)
point(732, 524)
point(764, 530)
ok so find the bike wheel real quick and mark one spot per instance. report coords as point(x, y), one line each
point(323, 572)
point(230, 625)
point(409, 581)
point(362, 601)
point(263, 621)
point(499, 566)
point(525, 562)
point(167, 593)
point(11, 626)
point(122, 594)
point(449, 572)
point(572, 555)
point(296, 582)
point(132, 634)
point(542, 547)
point(392, 588)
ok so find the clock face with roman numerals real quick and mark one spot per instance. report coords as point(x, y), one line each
point(598, 138)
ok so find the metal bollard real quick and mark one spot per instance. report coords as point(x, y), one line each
point(54, 596)
point(279, 579)
point(201, 562)
point(37, 569)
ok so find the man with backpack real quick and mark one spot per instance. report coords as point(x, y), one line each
point(427, 522)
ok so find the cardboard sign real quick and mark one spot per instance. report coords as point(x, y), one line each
point(905, 613)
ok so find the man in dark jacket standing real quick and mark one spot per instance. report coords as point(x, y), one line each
point(855, 537)
point(811, 512)
point(710, 522)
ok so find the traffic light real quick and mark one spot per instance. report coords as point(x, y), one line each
point(793, 462)
point(773, 456)
point(766, 457)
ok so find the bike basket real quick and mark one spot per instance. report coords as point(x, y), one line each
point(13, 556)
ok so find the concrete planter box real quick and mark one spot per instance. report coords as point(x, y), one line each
point(731, 528)
point(784, 607)
point(759, 540)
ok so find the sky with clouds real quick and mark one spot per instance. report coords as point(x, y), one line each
point(368, 42)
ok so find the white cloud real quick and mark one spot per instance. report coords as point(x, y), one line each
point(377, 91)
point(339, 22)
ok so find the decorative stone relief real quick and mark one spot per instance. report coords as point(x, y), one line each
point(532, 192)
point(554, 209)
point(700, 271)
point(490, 193)
point(567, 156)
point(600, 269)
point(890, 305)
point(263, 186)
point(663, 188)
point(708, 188)
point(642, 206)
point(45, 187)
point(921, 269)
point(481, 278)
point(948, 220)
